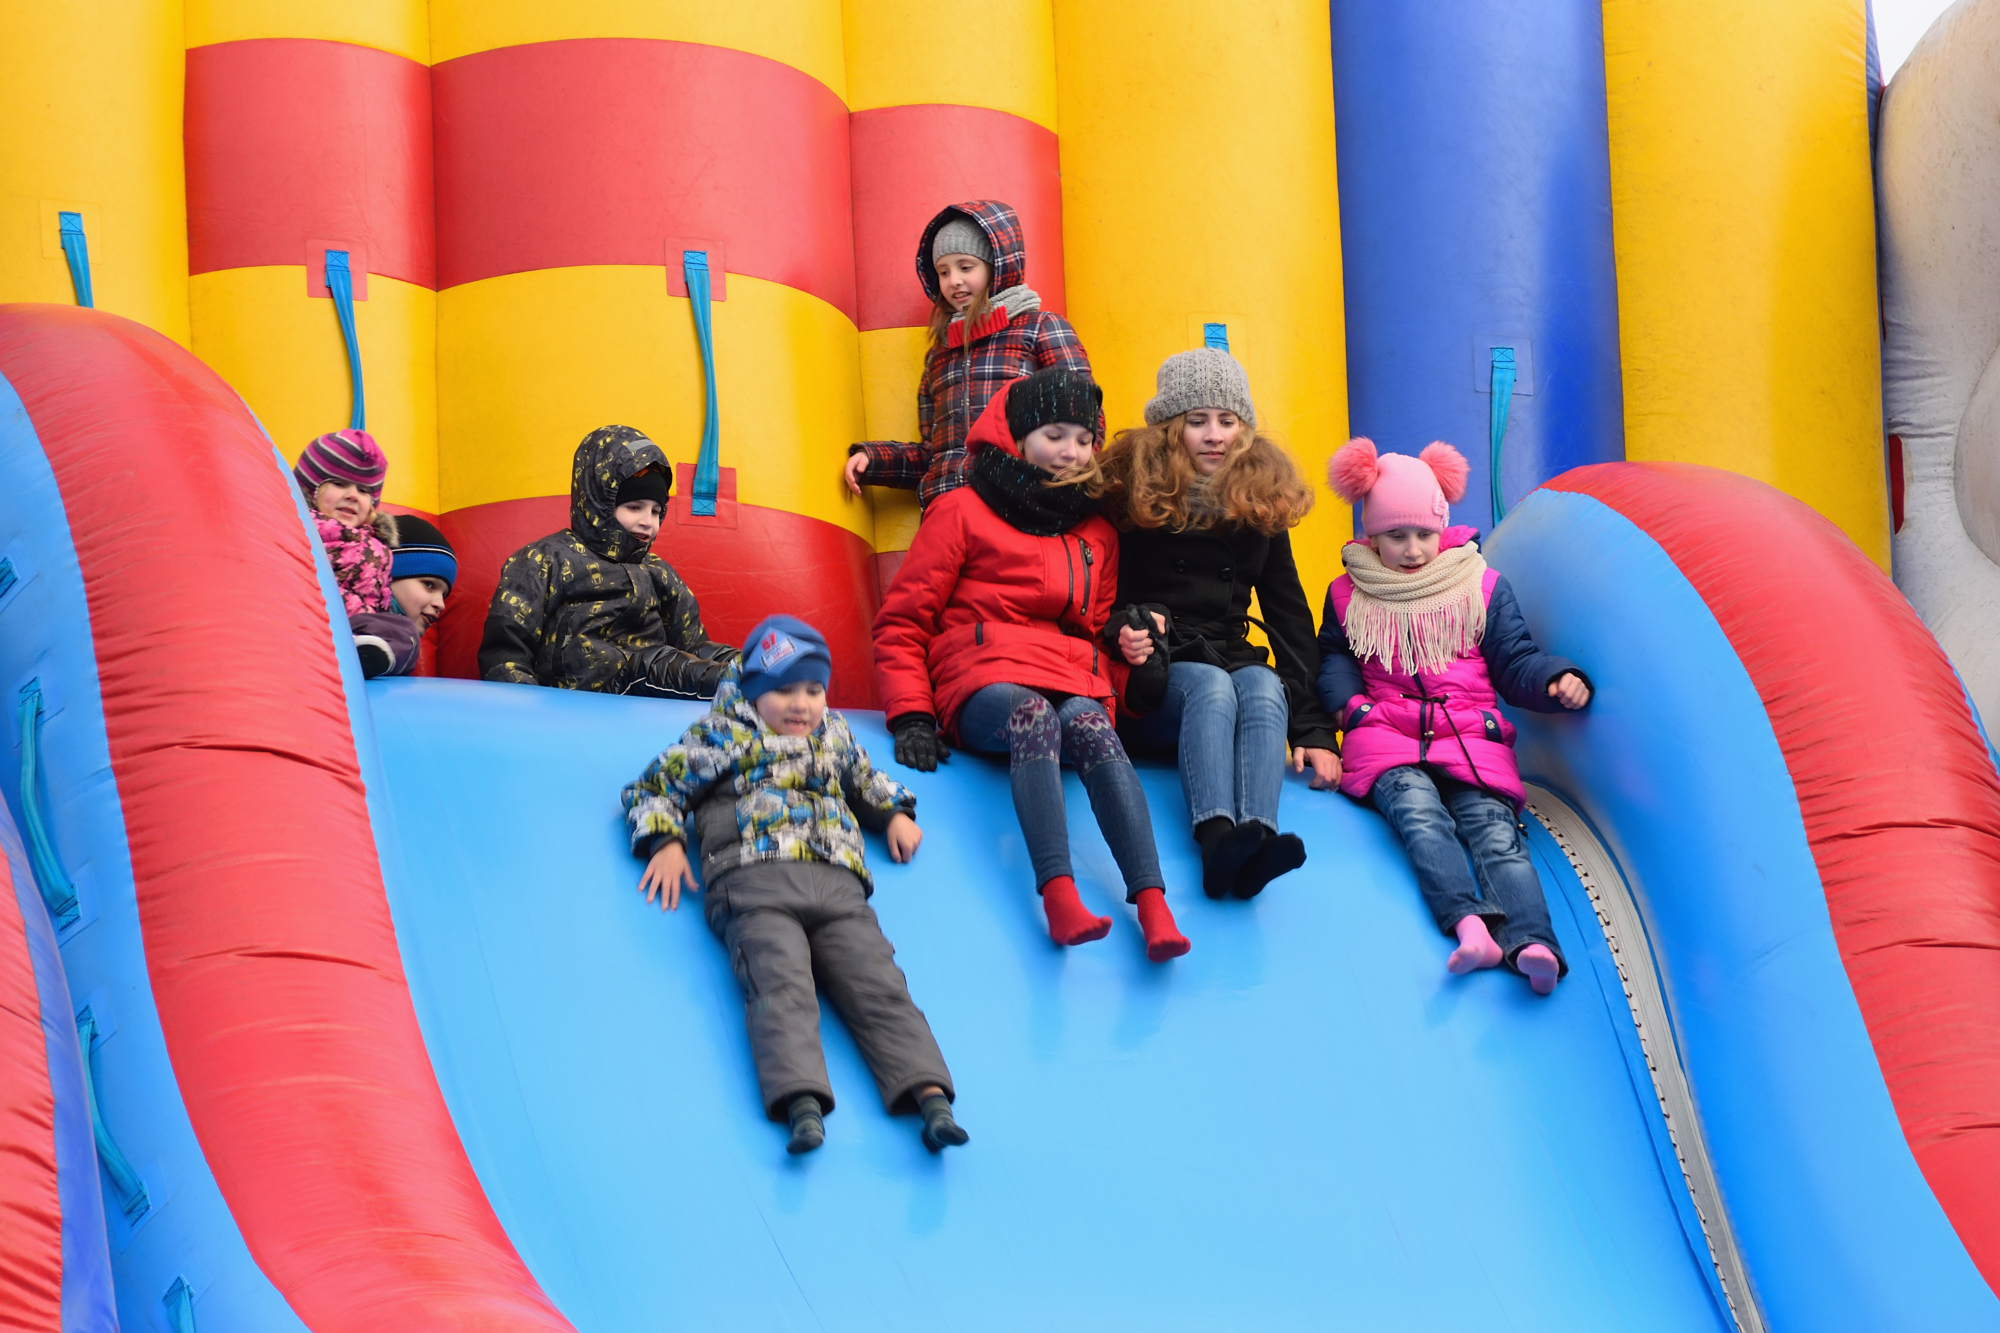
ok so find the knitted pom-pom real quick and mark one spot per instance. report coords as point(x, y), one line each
point(1352, 469)
point(1450, 466)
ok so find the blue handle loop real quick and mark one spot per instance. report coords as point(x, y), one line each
point(77, 251)
point(179, 1301)
point(1216, 336)
point(57, 892)
point(708, 463)
point(340, 285)
point(123, 1177)
point(1503, 398)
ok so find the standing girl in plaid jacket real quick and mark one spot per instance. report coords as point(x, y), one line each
point(987, 329)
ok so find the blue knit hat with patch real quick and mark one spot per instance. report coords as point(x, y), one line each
point(781, 651)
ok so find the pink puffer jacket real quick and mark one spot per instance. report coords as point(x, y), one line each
point(361, 561)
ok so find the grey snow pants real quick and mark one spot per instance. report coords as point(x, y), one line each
point(787, 924)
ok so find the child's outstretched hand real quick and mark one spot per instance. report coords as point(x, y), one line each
point(666, 873)
point(1569, 690)
point(904, 838)
point(1325, 766)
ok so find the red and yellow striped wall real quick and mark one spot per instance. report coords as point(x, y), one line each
point(516, 180)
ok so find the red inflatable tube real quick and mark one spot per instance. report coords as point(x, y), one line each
point(269, 945)
point(1904, 826)
point(290, 141)
point(910, 161)
point(739, 575)
point(31, 1260)
point(596, 151)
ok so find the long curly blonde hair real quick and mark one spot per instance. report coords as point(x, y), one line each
point(1150, 476)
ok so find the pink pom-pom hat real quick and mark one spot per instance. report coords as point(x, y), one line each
point(1396, 490)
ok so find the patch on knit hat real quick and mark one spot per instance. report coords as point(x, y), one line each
point(1052, 395)
point(961, 236)
point(1200, 377)
point(350, 455)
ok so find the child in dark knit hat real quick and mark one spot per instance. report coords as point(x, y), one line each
point(990, 633)
point(423, 570)
point(591, 607)
point(341, 474)
point(774, 784)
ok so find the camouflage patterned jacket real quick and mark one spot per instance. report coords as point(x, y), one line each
point(588, 608)
point(758, 796)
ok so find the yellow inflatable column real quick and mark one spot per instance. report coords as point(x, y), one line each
point(90, 97)
point(1743, 214)
point(931, 128)
point(1199, 186)
point(309, 128)
point(582, 153)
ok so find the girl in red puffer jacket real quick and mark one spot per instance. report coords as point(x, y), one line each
point(991, 630)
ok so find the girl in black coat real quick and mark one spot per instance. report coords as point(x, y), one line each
point(1205, 506)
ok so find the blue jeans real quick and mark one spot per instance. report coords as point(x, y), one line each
point(1230, 729)
point(1439, 819)
point(1037, 737)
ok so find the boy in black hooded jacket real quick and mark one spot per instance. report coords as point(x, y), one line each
point(590, 607)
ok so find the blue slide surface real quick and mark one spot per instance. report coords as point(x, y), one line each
point(1303, 1124)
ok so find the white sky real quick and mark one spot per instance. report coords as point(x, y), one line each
point(1898, 26)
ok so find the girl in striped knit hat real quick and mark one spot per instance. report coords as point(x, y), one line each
point(341, 474)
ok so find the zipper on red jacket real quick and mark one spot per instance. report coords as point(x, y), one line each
point(1069, 570)
point(1087, 562)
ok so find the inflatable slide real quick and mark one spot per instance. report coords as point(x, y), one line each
point(332, 1004)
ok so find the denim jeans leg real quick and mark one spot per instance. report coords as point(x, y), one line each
point(1409, 800)
point(1488, 825)
point(1090, 743)
point(1021, 724)
point(1263, 716)
point(1204, 705)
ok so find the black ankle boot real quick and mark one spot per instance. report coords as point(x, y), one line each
point(808, 1124)
point(1225, 846)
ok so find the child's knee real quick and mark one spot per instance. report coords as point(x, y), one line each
point(1089, 740)
point(1032, 730)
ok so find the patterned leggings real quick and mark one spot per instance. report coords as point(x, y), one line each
point(1038, 738)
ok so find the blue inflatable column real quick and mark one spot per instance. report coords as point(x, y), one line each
point(1475, 218)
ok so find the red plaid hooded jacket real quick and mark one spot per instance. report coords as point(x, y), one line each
point(961, 378)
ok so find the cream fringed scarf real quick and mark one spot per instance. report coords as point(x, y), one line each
point(1419, 621)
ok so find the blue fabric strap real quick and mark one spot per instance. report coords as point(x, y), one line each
point(57, 892)
point(708, 464)
point(123, 1178)
point(179, 1301)
point(1503, 398)
point(77, 251)
point(1216, 336)
point(340, 285)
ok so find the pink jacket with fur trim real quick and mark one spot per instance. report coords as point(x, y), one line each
point(361, 560)
point(1450, 721)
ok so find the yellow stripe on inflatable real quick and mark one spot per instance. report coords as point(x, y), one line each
point(530, 362)
point(90, 98)
point(805, 34)
point(892, 362)
point(899, 53)
point(1743, 215)
point(400, 26)
point(281, 350)
point(1165, 102)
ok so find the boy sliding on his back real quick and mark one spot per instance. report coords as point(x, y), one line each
point(775, 783)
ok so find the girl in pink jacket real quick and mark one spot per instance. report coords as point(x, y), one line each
point(1419, 644)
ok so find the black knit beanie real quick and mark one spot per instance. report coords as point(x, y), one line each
point(649, 484)
point(1053, 395)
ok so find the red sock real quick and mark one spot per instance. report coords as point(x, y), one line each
point(1070, 922)
point(1163, 938)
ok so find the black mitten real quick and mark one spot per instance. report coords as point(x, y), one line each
point(918, 744)
point(1146, 685)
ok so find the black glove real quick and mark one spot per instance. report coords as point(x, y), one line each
point(918, 744)
point(1146, 684)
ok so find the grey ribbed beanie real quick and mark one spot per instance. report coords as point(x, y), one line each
point(1200, 377)
point(961, 236)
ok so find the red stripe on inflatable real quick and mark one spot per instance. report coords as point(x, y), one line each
point(1897, 789)
point(910, 161)
point(31, 1266)
point(595, 151)
point(269, 944)
point(770, 561)
point(291, 140)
